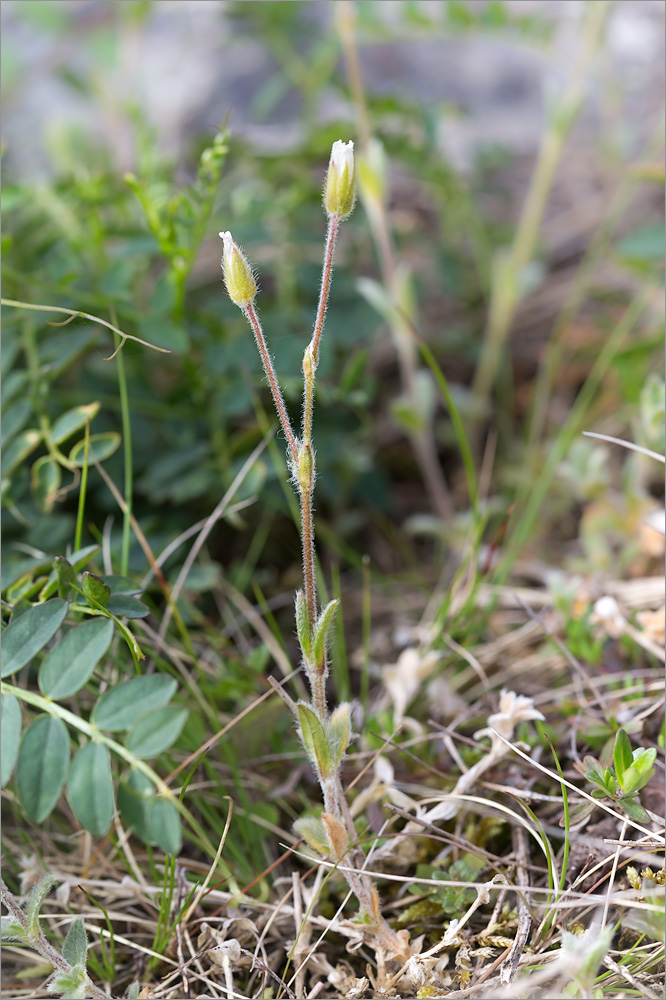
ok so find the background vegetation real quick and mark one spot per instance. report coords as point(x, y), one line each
point(497, 292)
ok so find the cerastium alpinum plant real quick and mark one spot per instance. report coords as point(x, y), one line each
point(324, 734)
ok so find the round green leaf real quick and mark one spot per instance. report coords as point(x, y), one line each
point(45, 479)
point(123, 606)
point(24, 638)
point(19, 450)
point(156, 731)
point(95, 589)
point(120, 707)
point(70, 664)
point(164, 824)
point(135, 795)
point(42, 766)
point(10, 736)
point(72, 420)
point(90, 788)
point(121, 585)
point(100, 447)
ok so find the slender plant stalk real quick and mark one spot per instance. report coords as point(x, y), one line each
point(509, 268)
point(325, 735)
point(127, 453)
point(276, 392)
point(82, 491)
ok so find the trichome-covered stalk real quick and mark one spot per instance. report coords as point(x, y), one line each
point(324, 735)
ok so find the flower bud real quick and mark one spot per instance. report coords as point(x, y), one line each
point(238, 276)
point(340, 190)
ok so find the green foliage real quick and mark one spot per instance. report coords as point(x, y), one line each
point(70, 978)
point(631, 771)
point(72, 648)
point(451, 900)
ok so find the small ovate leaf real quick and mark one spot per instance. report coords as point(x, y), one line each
point(644, 759)
point(120, 707)
point(71, 421)
point(579, 812)
point(71, 663)
point(622, 755)
point(314, 834)
point(164, 825)
point(95, 590)
point(83, 556)
point(339, 729)
point(38, 894)
point(121, 585)
point(126, 607)
point(314, 739)
point(65, 575)
point(10, 736)
point(100, 447)
point(12, 930)
point(135, 795)
point(321, 631)
point(19, 450)
point(75, 947)
point(592, 764)
point(71, 985)
point(90, 788)
point(24, 638)
point(42, 766)
point(134, 990)
point(633, 809)
point(633, 780)
point(45, 480)
point(156, 731)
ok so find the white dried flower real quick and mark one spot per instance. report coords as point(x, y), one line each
point(513, 708)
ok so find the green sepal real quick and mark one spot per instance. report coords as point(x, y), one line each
point(75, 948)
point(321, 631)
point(339, 729)
point(303, 625)
point(314, 739)
point(314, 834)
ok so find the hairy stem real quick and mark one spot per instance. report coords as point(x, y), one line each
point(272, 380)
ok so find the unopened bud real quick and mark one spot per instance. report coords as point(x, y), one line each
point(340, 188)
point(238, 276)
